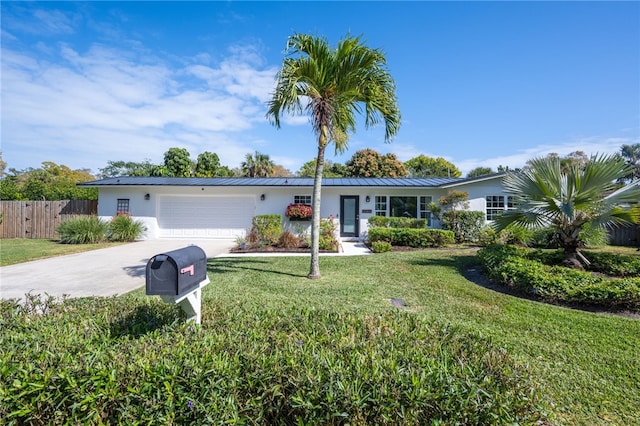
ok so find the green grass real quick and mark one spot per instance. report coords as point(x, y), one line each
point(586, 364)
point(18, 250)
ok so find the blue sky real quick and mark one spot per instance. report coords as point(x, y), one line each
point(478, 83)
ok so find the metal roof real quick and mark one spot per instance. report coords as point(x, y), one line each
point(277, 181)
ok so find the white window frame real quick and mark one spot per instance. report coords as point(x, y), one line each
point(123, 205)
point(302, 199)
point(382, 206)
point(497, 204)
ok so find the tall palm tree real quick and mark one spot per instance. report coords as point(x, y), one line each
point(569, 199)
point(331, 85)
point(257, 165)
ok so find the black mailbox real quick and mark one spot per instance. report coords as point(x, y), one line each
point(176, 272)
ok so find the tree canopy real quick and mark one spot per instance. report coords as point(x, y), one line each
point(480, 171)
point(257, 165)
point(370, 163)
point(423, 166)
point(330, 170)
point(49, 182)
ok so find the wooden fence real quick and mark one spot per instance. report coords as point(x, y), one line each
point(624, 236)
point(39, 219)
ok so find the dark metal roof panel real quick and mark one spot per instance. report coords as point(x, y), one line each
point(279, 182)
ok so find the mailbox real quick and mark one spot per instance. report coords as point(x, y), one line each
point(176, 272)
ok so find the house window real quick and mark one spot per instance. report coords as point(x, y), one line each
point(413, 207)
point(381, 205)
point(425, 213)
point(122, 206)
point(302, 199)
point(496, 205)
point(403, 206)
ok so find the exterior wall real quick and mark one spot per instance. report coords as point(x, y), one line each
point(277, 198)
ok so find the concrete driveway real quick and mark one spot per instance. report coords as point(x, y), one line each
point(104, 272)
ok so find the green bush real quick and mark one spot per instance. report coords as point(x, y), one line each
point(396, 222)
point(380, 246)
point(465, 224)
point(618, 265)
point(82, 230)
point(130, 361)
point(267, 228)
point(511, 266)
point(328, 235)
point(412, 237)
point(123, 228)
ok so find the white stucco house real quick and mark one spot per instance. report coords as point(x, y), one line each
point(224, 207)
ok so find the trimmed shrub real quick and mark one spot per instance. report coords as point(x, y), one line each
point(412, 237)
point(465, 224)
point(123, 228)
point(618, 265)
point(267, 228)
point(126, 361)
point(380, 246)
point(511, 266)
point(82, 230)
point(396, 222)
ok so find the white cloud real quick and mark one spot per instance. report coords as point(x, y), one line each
point(109, 104)
point(588, 145)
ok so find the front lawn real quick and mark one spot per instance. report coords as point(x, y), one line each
point(587, 364)
point(18, 250)
point(331, 350)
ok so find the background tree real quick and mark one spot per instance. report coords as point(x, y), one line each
point(257, 165)
point(177, 162)
point(548, 195)
point(631, 155)
point(280, 171)
point(480, 171)
point(3, 165)
point(49, 182)
point(207, 164)
point(423, 166)
point(575, 158)
point(370, 163)
point(333, 84)
point(127, 168)
point(330, 170)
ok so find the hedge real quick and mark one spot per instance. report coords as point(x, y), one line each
point(396, 222)
point(510, 266)
point(412, 237)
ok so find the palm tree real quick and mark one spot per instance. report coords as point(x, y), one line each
point(569, 199)
point(257, 165)
point(331, 85)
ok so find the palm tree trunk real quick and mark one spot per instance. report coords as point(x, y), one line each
point(314, 269)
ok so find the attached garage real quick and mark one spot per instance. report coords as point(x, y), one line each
point(204, 216)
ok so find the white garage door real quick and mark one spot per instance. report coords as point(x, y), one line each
point(205, 217)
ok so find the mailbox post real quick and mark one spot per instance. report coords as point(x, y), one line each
point(178, 277)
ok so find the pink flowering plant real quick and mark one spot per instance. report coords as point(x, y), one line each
point(298, 211)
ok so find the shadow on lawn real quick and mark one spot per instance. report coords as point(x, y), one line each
point(467, 265)
point(145, 319)
point(223, 265)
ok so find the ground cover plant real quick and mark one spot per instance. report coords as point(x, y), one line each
point(268, 333)
point(18, 250)
point(539, 273)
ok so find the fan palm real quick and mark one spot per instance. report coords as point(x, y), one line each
point(546, 195)
point(331, 85)
point(257, 165)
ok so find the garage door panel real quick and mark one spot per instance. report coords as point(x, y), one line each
point(205, 217)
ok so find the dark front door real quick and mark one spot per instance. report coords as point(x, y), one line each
point(349, 217)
